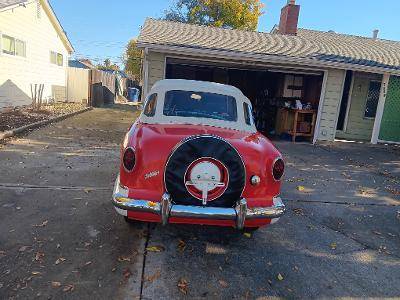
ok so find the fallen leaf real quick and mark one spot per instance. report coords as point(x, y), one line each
point(36, 273)
point(223, 283)
point(155, 248)
point(55, 284)
point(247, 234)
point(124, 258)
point(333, 246)
point(87, 191)
point(60, 260)
point(23, 248)
point(300, 188)
point(183, 285)
point(391, 234)
point(68, 288)
point(88, 263)
point(181, 245)
point(127, 273)
point(39, 256)
point(153, 277)
point(298, 211)
point(280, 277)
point(296, 268)
point(44, 223)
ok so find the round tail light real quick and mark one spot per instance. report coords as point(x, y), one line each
point(129, 159)
point(278, 169)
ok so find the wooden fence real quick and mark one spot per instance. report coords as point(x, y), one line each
point(78, 85)
point(91, 87)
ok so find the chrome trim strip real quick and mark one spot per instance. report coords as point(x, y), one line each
point(201, 212)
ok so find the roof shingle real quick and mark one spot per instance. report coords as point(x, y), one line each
point(6, 3)
point(308, 44)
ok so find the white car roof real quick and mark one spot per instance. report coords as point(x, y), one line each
point(195, 85)
point(163, 86)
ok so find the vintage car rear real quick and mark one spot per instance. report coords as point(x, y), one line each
point(194, 156)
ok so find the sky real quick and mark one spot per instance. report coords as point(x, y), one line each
point(101, 29)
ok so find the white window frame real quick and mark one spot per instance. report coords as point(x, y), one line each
point(56, 63)
point(15, 46)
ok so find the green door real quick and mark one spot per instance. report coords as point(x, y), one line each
point(390, 125)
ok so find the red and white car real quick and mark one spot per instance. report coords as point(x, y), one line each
point(194, 156)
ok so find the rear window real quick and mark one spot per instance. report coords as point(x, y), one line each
point(201, 105)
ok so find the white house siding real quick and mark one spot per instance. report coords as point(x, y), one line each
point(18, 73)
point(156, 68)
point(331, 104)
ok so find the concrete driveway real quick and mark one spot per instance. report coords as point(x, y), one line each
point(60, 237)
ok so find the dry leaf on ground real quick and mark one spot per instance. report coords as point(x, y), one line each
point(301, 188)
point(280, 277)
point(60, 260)
point(55, 284)
point(183, 285)
point(44, 223)
point(39, 256)
point(68, 288)
point(153, 277)
point(124, 258)
point(127, 273)
point(298, 211)
point(181, 245)
point(247, 234)
point(223, 283)
point(36, 273)
point(23, 248)
point(155, 248)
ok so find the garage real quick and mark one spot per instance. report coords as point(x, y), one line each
point(285, 101)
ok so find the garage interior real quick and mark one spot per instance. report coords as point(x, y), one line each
point(285, 101)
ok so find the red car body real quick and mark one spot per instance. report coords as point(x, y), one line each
point(152, 145)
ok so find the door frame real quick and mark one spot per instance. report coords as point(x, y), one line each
point(380, 109)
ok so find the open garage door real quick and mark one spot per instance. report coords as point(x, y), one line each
point(273, 90)
point(390, 124)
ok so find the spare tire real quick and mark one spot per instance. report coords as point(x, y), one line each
point(204, 147)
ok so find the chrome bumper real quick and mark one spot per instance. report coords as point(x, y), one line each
point(166, 209)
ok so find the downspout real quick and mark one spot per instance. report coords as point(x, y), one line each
point(145, 74)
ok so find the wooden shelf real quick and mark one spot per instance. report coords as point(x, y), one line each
point(298, 118)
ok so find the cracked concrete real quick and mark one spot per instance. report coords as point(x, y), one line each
point(340, 237)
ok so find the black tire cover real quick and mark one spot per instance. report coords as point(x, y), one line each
point(204, 146)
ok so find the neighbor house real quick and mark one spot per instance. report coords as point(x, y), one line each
point(350, 82)
point(34, 49)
